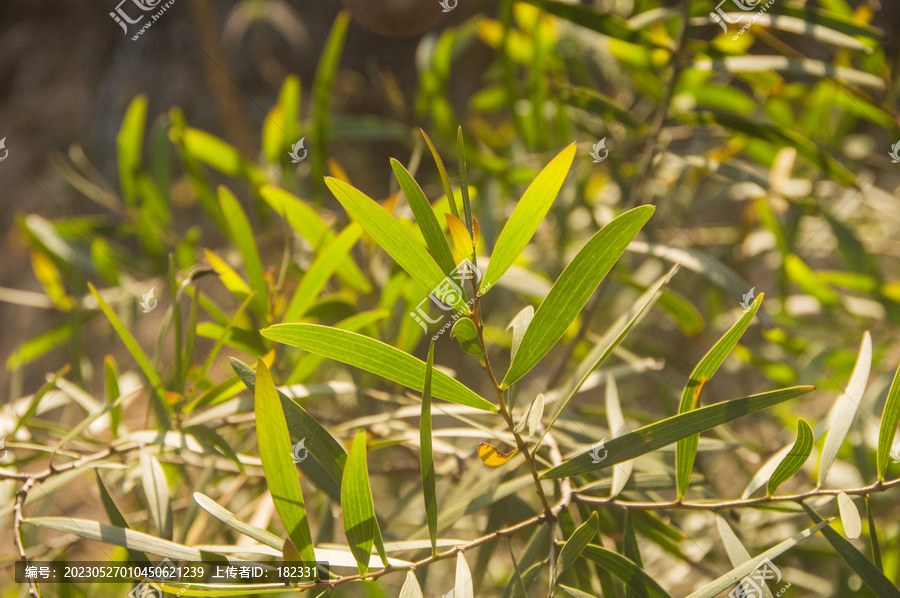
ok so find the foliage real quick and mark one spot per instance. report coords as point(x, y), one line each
point(734, 166)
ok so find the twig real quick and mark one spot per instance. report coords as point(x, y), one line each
point(738, 503)
point(21, 495)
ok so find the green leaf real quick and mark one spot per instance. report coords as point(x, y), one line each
point(320, 271)
point(159, 404)
point(576, 543)
point(849, 516)
point(411, 588)
point(604, 347)
point(686, 450)
point(130, 141)
point(573, 288)
point(220, 155)
point(732, 577)
point(426, 455)
point(275, 453)
point(242, 235)
point(445, 180)
point(320, 444)
point(870, 574)
point(632, 575)
point(890, 417)
point(795, 458)
point(527, 216)
point(428, 222)
point(662, 433)
point(356, 504)
point(115, 514)
point(464, 184)
point(844, 411)
point(231, 520)
point(390, 235)
point(466, 333)
point(373, 356)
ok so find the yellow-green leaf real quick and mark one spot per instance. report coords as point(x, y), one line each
point(796, 457)
point(275, 452)
point(356, 504)
point(527, 216)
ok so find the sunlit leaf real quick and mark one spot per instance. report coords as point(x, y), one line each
point(275, 452)
point(527, 216)
point(373, 356)
point(356, 504)
point(492, 457)
point(795, 458)
point(890, 417)
point(576, 543)
point(686, 450)
point(426, 455)
point(841, 417)
point(573, 288)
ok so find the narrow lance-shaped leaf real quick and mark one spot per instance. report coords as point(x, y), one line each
point(356, 504)
point(130, 141)
point(617, 428)
point(519, 325)
point(242, 235)
point(737, 554)
point(870, 574)
point(849, 516)
point(527, 216)
point(573, 288)
point(275, 452)
point(390, 235)
point(425, 217)
point(373, 356)
point(795, 458)
point(157, 491)
point(464, 183)
point(445, 180)
point(662, 433)
point(426, 455)
point(159, 402)
point(841, 417)
point(532, 417)
point(231, 520)
point(411, 588)
point(115, 515)
point(630, 573)
point(576, 543)
point(889, 420)
point(714, 588)
point(463, 587)
point(320, 444)
point(686, 450)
